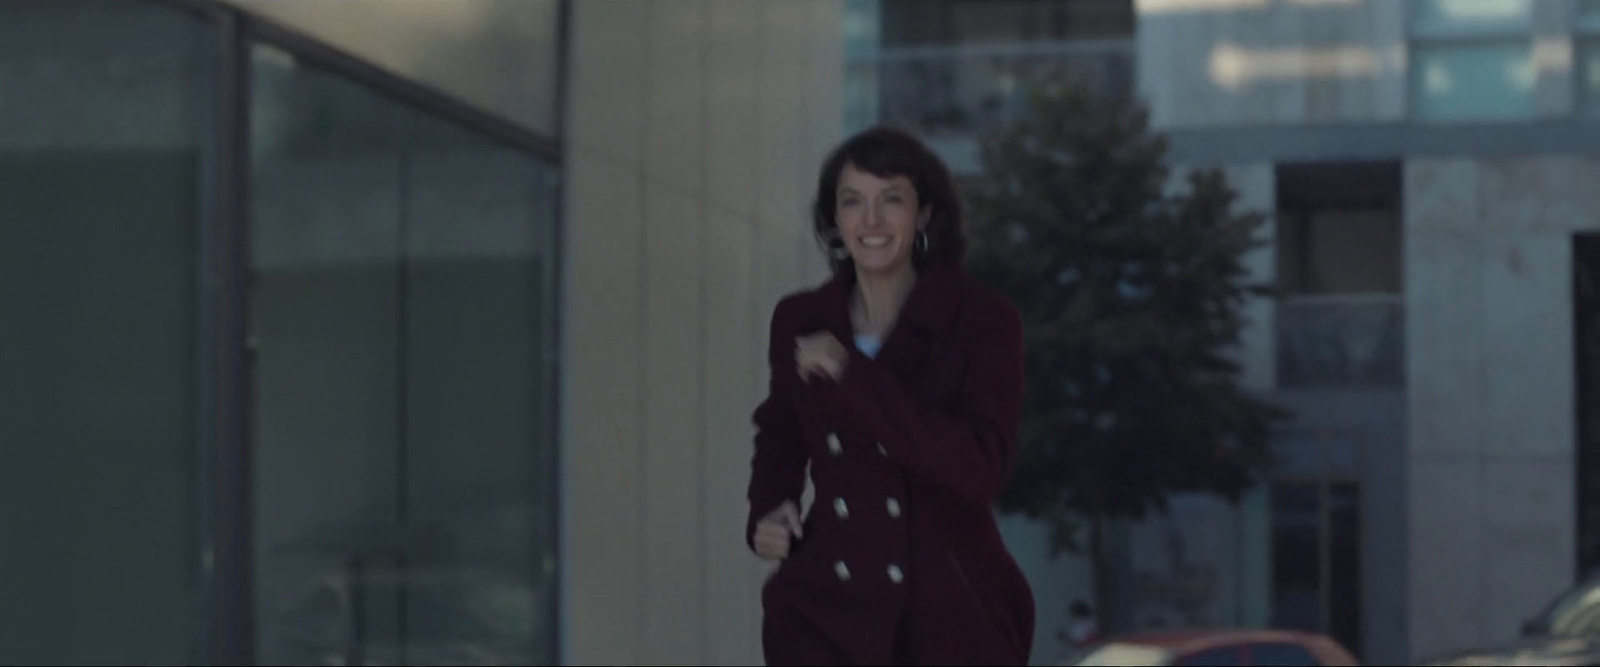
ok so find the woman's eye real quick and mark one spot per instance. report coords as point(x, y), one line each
point(845, 203)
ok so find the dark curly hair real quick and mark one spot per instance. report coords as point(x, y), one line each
point(886, 152)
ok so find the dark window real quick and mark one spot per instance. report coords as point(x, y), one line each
point(1586, 344)
point(1344, 564)
point(918, 22)
point(1339, 228)
point(1341, 320)
point(1316, 558)
point(1297, 556)
point(954, 69)
point(1283, 654)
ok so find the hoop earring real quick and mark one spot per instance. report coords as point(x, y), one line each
point(920, 244)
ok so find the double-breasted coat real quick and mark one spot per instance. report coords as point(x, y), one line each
point(900, 559)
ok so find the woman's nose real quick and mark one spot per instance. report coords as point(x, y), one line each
point(874, 216)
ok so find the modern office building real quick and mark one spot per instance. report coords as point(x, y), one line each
point(1428, 164)
point(394, 331)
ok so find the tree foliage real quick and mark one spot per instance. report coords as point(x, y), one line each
point(1132, 291)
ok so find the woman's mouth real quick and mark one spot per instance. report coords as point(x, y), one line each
point(875, 242)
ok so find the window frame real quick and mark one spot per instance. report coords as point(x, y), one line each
point(1585, 39)
point(1423, 36)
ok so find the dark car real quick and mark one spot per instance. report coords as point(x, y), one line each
point(1181, 648)
point(1566, 632)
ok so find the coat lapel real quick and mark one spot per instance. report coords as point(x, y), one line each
point(925, 319)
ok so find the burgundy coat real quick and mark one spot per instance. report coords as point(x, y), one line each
point(901, 559)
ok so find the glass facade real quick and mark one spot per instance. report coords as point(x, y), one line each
point(954, 70)
point(280, 352)
point(1472, 59)
point(104, 142)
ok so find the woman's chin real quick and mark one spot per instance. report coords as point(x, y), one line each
point(878, 266)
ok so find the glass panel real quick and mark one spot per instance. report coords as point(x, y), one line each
point(1340, 251)
point(955, 91)
point(1344, 566)
point(496, 55)
point(1446, 14)
point(105, 132)
point(325, 325)
point(479, 461)
point(861, 29)
point(1589, 75)
point(1004, 21)
point(1296, 454)
point(1341, 341)
point(1314, 454)
point(404, 465)
point(1473, 80)
point(1297, 556)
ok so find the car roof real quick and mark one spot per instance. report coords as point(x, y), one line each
point(1199, 639)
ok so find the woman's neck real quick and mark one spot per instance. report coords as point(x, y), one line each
point(878, 299)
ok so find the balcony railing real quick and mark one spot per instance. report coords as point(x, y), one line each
point(1341, 340)
point(966, 90)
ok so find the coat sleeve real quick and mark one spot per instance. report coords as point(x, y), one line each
point(777, 470)
point(969, 449)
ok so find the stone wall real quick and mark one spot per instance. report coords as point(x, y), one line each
point(1490, 360)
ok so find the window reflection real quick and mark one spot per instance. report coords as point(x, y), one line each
point(399, 304)
point(1472, 60)
point(105, 138)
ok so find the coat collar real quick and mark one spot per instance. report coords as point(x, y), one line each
point(930, 307)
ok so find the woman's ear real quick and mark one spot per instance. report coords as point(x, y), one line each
point(923, 217)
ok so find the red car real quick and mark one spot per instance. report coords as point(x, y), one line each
point(1218, 647)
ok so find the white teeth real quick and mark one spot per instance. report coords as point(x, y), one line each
point(875, 241)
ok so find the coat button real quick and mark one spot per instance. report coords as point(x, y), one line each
point(894, 508)
point(833, 444)
point(882, 452)
point(895, 575)
point(842, 571)
point(840, 508)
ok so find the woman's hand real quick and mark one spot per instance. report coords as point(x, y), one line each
point(820, 355)
point(776, 530)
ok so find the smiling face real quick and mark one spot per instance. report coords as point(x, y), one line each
point(878, 219)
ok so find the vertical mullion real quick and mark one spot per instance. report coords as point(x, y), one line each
point(1324, 536)
point(210, 174)
point(233, 603)
point(554, 305)
point(402, 375)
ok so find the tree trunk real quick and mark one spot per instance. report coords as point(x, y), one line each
point(1100, 565)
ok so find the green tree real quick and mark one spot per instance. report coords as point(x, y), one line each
point(1132, 295)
